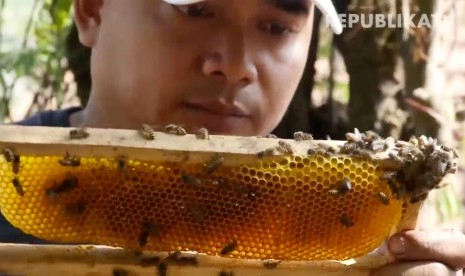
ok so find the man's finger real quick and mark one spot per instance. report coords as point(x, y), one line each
point(415, 269)
point(447, 246)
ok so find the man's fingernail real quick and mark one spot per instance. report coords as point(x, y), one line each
point(398, 245)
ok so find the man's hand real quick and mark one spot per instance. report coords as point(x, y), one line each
point(426, 253)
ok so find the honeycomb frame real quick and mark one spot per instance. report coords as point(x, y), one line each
point(124, 154)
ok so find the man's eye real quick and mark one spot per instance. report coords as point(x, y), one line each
point(196, 10)
point(275, 29)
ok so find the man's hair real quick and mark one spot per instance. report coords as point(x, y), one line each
point(78, 57)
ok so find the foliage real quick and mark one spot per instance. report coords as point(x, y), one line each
point(39, 58)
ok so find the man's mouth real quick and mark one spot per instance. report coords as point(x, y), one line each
point(218, 108)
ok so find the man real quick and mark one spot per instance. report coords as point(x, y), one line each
point(231, 66)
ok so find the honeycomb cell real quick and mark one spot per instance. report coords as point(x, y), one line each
point(279, 208)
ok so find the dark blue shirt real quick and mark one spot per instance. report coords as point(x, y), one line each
point(60, 118)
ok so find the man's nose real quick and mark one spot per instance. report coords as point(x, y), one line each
point(230, 59)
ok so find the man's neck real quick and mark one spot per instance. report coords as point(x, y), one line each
point(99, 115)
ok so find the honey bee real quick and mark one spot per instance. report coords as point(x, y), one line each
point(228, 248)
point(348, 148)
point(147, 132)
point(149, 261)
point(388, 175)
point(285, 148)
point(398, 190)
point(316, 150)
point(266, 152)
point(363, 153)
point(395, 189)
point(371, 136)
point(173, 256)
point(148, 229)
point(122, 164)
point(389, 143)
point(175, 130)
point(383, 198)
point(120, 272)
point(312, 151)
point(423, 141)
point(330, 150)
point(18, 187)
point(162, 269)
point(75, 209)
point(394, 157)
point(346, 220)
point(302, 136)
point(67, 185)
point(16, 164)
point(242, 190)
point(68, 161)
point(177, 258)
point(414, 141)
point(355, 137)
point(79, 133)
point(226, 273)
point(378, 146)
point(191, 180)
point(221, 183)
point(144, 234)
point(214, 164)
point(202, 134)
point(9, 155)
point(343, 189)
point(271, 264)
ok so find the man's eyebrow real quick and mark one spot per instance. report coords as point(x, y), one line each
point(295, 7)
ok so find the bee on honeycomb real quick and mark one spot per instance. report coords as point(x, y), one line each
point(202, 134)
point(70, 183)
point(16, 164)
point(266, 152)
point(285, 147)
point(69, 161)
point(148, 229)
point(214, 164)
point(343, 189)
point(346, 220)
point(175, 130)
point(383, 198)
point(9, 155)
point(147, 132)
point(78, 133)
point(228, 248)
point(18, 187)
point(191, 180)
point(302, 136)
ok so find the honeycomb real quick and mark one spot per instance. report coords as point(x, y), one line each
point(281, 207)
point(238, 197)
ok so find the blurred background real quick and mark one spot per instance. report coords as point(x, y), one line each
point(398, 82)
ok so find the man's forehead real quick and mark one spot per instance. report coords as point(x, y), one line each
point(325, 6)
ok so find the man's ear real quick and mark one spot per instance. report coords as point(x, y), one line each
point(87, 18)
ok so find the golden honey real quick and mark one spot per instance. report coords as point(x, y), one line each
point(279, 208)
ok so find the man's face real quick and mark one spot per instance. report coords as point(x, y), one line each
point(231, 66)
